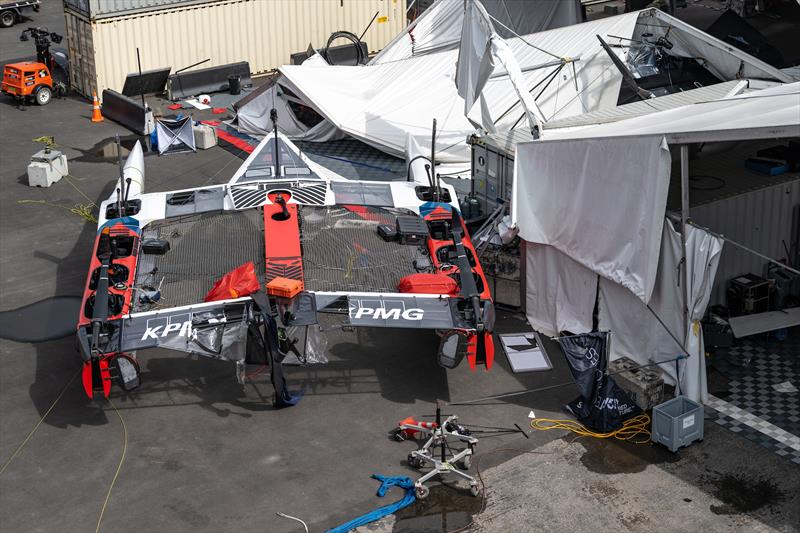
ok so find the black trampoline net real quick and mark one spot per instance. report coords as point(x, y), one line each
point(342, 250)
point(203, 248)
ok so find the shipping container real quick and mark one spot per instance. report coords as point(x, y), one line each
point(103, 35)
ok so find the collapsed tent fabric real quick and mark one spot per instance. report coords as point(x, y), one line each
point(382, 103)
point(766, 113)
point(253, 112)
point(439, 27)
point(576, 197)
point(480, 49)
point(175, 136)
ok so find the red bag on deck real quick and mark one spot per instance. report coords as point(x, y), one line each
point(428, 284)
point(241, 281)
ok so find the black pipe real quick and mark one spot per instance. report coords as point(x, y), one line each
point(367, 28)
point(141, 82)
point(273, 115)
point(121, 193)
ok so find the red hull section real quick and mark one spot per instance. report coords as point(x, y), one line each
point(282, 242)
point(122, 273)
point(438, 249)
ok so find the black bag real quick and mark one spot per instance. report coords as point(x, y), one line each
point(602, 406)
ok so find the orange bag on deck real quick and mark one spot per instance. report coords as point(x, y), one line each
point(428, 284)
point(241, 281)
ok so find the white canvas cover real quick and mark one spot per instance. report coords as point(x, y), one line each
point(481, 49)
point(439, 27)
point(561, 296)
point(175, 136)
point(560, 292)
point(639, 335)
point(607, 216)
point(253, 116)
point(771, 112)
point(383, 102)
point(380, 104)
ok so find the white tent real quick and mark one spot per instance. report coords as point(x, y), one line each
point(382, 103)
point(607, 238)
point(437, 29)
point(766, 113)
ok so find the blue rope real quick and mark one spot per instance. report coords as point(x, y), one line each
point(386, 484)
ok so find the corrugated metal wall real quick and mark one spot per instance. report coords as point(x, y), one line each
point(95, 9)
point(81, 54)
point(262, 32)
point(760, 220)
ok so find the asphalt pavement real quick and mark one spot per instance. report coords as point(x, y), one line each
point(192, 450)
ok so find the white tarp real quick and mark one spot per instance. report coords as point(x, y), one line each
point(561, 297)
point(560, 292)
point(771, 112)
point(383, 102)
point(253, 113)
point(577, 197)
point(481, 48)
point(439, 27)
point(639, 335)
point(253, 118)
point(380, 104)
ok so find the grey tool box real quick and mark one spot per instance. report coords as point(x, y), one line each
point(677, 422)
point(645, 386)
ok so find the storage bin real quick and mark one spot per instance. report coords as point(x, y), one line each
point(677, 422)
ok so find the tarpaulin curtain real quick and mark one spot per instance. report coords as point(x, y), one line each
point(576, 197)
point(560, 292)
point(638, 333)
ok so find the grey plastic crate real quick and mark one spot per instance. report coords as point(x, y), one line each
point(677, 422)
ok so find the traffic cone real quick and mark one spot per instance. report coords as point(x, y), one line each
point(96, 116)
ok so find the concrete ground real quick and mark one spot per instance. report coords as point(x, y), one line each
point(202, 453)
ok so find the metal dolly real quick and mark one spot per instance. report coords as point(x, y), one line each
point(440, 433)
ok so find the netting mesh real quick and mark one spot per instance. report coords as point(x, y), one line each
point(342, 250)
point(203, 248)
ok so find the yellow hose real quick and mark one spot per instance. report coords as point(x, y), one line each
point(630, 430)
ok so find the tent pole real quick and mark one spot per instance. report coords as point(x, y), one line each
point(684, 226)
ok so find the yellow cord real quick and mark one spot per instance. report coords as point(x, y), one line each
point(82, 210)
point(630, 430)
point(119, 466)
point(39, 423)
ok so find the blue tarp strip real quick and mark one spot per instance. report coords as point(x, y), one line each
point(377, 514)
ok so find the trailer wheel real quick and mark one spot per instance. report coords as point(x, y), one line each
point(43, 95)
point(7, 19)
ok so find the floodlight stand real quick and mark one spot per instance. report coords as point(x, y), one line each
point(444, 465)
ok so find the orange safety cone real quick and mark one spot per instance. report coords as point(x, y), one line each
point(96, 116)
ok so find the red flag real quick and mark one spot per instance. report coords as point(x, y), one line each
point(239, 282)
